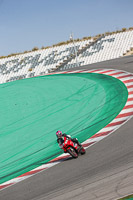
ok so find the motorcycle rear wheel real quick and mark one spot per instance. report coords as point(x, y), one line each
point(72, 152)
point(82, 151)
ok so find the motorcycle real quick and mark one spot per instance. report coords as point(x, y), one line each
point(72, 148)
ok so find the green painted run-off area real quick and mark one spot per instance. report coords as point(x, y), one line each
point(32, 110)
point(130, 197)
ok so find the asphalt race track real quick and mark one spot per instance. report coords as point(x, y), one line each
point(104, 173)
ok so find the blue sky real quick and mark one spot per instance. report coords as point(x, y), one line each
point(25, 24)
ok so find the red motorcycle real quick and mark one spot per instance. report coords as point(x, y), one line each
point(72, 148)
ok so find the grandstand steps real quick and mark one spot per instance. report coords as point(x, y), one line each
point(78, 53)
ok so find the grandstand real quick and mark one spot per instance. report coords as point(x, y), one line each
point(107, 48)
point(37, 62)
point(96, 49)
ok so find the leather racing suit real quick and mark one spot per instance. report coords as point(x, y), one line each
point(65, 136)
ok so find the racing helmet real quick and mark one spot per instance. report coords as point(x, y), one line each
point(59, 134)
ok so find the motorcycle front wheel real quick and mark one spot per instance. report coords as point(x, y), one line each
point(72, 152)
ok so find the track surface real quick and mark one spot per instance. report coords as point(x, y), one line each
point(105, 172)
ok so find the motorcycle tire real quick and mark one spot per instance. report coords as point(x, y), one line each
point(72, 152)
point(82, 151)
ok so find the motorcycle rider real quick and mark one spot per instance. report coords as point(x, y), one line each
point(62, 136)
